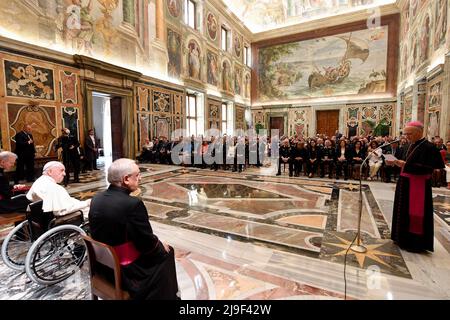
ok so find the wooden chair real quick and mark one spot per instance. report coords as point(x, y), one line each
point(102, 254)
point(13, 217)
point(10, 218)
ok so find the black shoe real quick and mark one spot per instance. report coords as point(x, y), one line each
point(278, 174)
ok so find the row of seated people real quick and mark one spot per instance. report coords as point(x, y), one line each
point(346, 159)
point(335, 156)
point(115, 218)
point(226, 152)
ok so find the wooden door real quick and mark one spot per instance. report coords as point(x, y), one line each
point(327, 122)
point(116, 128)
point(277, 123)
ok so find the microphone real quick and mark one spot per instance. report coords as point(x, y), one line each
point(389, 143)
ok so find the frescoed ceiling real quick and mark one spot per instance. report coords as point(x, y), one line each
point(264, 15)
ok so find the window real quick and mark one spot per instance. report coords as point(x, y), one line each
point(224, 38)
point(195, 121)
point(247, 56)
point(191, 115)
point(190, 14)
point(224, 118)
point(227, 118)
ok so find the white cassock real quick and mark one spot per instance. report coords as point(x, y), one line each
point(55, 198)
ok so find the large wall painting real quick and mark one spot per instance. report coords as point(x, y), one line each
point(343, 64)
point(440, 26)
point(174, 51)
point(211, 26)
point(26, 80)
point(194, 58)
point(174, 8)
point(213, 73)
point(43, 123)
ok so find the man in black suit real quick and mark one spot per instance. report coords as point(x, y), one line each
point(91, 150)
point(25, 152)
point(8, 205)
point(121, 221)
point(70, 155)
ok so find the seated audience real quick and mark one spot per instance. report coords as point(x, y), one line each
point(299, 156)
point(121, 221)
point(328, 155)
point(284, 154)
point(342, 159)
point(375, 159)
point(314, 157)
point(357, 157)
point(8, 205)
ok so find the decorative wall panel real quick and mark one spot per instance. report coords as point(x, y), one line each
point(240, 118)
point(27, 80)
point(71, 120)
point(434, 107)
point(43, 123)
point(299, 121)
point(68, 87)
point(214, 114)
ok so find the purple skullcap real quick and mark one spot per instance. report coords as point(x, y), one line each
point(416, 124)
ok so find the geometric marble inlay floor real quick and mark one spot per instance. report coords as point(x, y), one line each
point(256, 236)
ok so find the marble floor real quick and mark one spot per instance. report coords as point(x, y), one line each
point(253, 235)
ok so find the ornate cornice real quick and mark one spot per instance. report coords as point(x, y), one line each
point(85, 62)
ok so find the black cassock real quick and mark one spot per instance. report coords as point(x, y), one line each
point(116, 218)
point(413, 198)
point(8, 205)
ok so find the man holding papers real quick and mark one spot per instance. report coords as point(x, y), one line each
point(412, 220)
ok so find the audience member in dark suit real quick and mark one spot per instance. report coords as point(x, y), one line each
point(8, 205)
point(328, 156)
point(299, 156)
point(343, 157)
point(91, 150)
point(70, 155)
point(357, 157)
point(121, 221)
point(25, 152)
point(284, 155)
point(314, 157)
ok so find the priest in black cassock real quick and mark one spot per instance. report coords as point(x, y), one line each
point(8, 205)
point(412, 220)
point(121, 221)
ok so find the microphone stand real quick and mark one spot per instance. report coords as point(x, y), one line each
point(359, 247)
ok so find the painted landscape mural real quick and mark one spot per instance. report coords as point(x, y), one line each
point(343, 64)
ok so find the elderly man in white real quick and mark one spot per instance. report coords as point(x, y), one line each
point(54, 197)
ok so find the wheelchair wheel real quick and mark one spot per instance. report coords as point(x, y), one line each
point(16, 245)
point(56, 255)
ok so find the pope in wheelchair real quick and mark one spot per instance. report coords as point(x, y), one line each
point(55, 197)
point(48, 245)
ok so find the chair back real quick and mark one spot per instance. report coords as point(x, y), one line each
point(102, 254)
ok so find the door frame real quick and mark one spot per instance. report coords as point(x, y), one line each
point(327, 108)
point(321, 110)
point(277, 115)
point(127, 96)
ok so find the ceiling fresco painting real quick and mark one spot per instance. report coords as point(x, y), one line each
point(263, 15)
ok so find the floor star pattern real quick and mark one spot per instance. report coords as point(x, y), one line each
point(371, 253)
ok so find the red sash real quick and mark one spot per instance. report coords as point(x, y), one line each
point(416, 201)
point(127, 253)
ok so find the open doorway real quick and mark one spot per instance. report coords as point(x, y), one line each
point(108, 121)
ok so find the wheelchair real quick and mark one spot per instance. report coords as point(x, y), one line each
point(49, 249)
